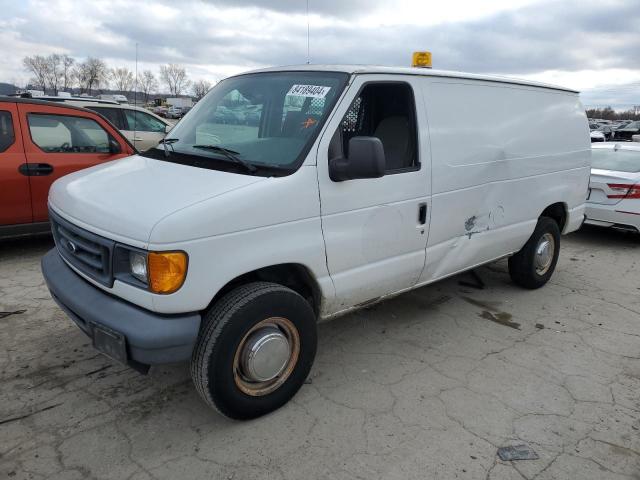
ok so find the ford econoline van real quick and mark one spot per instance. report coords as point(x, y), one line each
point(224, 245)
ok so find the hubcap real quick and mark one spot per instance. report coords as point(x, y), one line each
point(545, 251)
point(266, 356)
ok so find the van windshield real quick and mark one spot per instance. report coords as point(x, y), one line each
point(267, 120)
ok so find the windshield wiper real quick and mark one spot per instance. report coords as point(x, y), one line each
point(230, 154)
point(170, 142)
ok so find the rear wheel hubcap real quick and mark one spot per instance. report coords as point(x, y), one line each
point(545, 251)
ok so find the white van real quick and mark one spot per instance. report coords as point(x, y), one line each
point(224, 245)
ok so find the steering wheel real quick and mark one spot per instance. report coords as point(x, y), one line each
point(66, 146)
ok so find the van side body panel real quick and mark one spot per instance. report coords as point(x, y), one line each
point(501, 154)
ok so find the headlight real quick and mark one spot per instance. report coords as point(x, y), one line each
point(158, 272)
point(138, 266)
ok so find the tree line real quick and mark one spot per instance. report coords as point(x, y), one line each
point(62, 73)
point(608, 113)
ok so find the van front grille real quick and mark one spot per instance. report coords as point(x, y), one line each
point(89, 253)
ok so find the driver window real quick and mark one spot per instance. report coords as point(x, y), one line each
point(67, 134)
point(385, 111)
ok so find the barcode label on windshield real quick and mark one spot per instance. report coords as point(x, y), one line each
point(314, 91)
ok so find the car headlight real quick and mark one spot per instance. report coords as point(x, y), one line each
point(138, 266)
point(158, 272)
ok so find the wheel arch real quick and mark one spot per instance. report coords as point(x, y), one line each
point(295, 276)
point(559, 212)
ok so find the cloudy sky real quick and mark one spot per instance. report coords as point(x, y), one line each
point(590, 45)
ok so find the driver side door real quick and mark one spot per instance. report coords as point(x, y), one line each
point(376, 229)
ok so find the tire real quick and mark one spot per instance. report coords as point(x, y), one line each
point(231, 323)
point(523, 267)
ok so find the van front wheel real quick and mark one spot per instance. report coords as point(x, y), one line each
point(255, 350)
point(534, 264)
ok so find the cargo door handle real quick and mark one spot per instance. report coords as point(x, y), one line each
point(35, 169)
point(422, 213)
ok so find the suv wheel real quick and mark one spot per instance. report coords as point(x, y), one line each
point(255, 350)
point(534, 264)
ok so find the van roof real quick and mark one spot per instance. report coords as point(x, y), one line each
point(427, 72)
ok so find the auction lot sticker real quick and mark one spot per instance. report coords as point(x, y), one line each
point(314, 91)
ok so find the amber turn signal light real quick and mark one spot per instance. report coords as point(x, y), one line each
point(167, 271)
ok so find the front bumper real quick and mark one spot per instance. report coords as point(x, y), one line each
point(150, 338)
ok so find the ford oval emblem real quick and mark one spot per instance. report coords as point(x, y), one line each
point(72, 246)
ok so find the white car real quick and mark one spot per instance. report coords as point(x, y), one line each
point(142, 128)
point(597, 136)
point(226, 245)
point(174, 112)
point(614, 188)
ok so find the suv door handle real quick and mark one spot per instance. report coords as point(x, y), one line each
point(422, 213)
point(35, 169)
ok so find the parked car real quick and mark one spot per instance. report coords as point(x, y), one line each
point(597, 136)
point(614, 188)
point(39, 142)
point(160, 110)
point(143, 128)
point(174, 112)
point(227, 253)
point(627, 132)
point(621, 124)
point(608, 131)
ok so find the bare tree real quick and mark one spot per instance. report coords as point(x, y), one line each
point(53, 72)
point(175, 77)
point(67, 71)
point(147, 83)
point(91, 74)
point(200, 88)
point(37, 66)
point(122, 79)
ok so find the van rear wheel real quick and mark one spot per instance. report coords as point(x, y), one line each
point(534, 264)
point(255, 350)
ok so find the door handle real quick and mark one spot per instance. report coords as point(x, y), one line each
point(137, 139)
point(35, 169)
point(422, 213)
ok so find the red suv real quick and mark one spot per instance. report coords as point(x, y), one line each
point(40, 142)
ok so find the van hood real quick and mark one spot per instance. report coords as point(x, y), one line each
point(124, 199)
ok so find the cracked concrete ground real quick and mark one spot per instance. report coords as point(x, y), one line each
point(426, 386)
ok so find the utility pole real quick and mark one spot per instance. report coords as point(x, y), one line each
point(135, 88)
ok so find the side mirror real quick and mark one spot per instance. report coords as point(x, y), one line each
point(366, 160)
point(114, 146)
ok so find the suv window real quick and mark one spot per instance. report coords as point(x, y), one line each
point(7, 136)
point(68, 134)
point(143, 122)
point(386, 111)
point(111, 114)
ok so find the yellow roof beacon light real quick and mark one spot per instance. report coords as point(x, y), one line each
point(421, 59)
